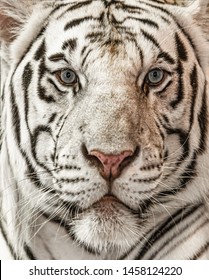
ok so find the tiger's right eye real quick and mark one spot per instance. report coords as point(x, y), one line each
point(67, 77)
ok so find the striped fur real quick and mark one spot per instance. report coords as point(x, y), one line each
point(56, 202)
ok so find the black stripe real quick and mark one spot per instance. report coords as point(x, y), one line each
point(194, 88)
point(200, 252)
point(150, 38)
point(148, 22)
point(71, 44)
point(186, 178)
point(196, 52)
point(130, 9)
point(95, 35)
point(29, 253)
point(159, 8)
point(167, 57)
point(161, 92)
point(181, 50)
point(183, 138)
point(15, 115)
point(71, 8)
point(30, 172)
point(85, 58)
point(78, 21)
point(74, 180)
point(164, 228)
point(180, 90)
point(203, 123)
point(26, 80)
point(42, 90)
point(52, 118)
point(56, 87)
point(41, 51)
point(29, 48)
point(83, 50)
point(172, 238)
point(34, 139)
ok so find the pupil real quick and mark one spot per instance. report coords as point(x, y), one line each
point(68, 75)
point(155, 74)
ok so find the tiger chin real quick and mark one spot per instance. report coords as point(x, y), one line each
point(104, 142)
point(106, 228)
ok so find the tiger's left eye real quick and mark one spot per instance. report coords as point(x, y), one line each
point(67, 77)
point(155, 77)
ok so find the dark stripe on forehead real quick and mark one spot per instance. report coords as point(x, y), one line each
point(85, 57)
point(94, 36)
point(130, 9)
point(72, 7)
point(150, 38)
point(71, 44)
point(167, 57)
point(157, 7)
point(148, 22)
point(78, 21)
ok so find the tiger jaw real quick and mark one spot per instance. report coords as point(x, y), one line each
point(108, 213)
point(106, 227)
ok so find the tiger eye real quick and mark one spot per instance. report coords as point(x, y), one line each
point(67, 77)
point(155, 77)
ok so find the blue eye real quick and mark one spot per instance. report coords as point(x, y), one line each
point(67, 77)
point(155, 77)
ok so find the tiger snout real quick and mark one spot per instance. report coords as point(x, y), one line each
point(110, 165)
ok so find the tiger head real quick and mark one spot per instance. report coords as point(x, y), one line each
point(105, 113)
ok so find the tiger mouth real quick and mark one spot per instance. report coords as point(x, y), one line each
point(110, 201)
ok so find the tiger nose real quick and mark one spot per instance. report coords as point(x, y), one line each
point(112, 165)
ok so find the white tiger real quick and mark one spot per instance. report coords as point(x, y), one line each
point(104, 116)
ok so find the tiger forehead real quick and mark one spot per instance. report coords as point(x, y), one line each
point(111, 28)
point(111, 20)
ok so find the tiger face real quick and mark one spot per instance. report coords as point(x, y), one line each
point(108, 102)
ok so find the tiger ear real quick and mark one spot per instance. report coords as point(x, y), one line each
point(13, 14)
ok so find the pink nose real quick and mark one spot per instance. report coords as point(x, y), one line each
point(111, 164)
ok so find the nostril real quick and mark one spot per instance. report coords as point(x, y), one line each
point(92, 160)
point(130, 158)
